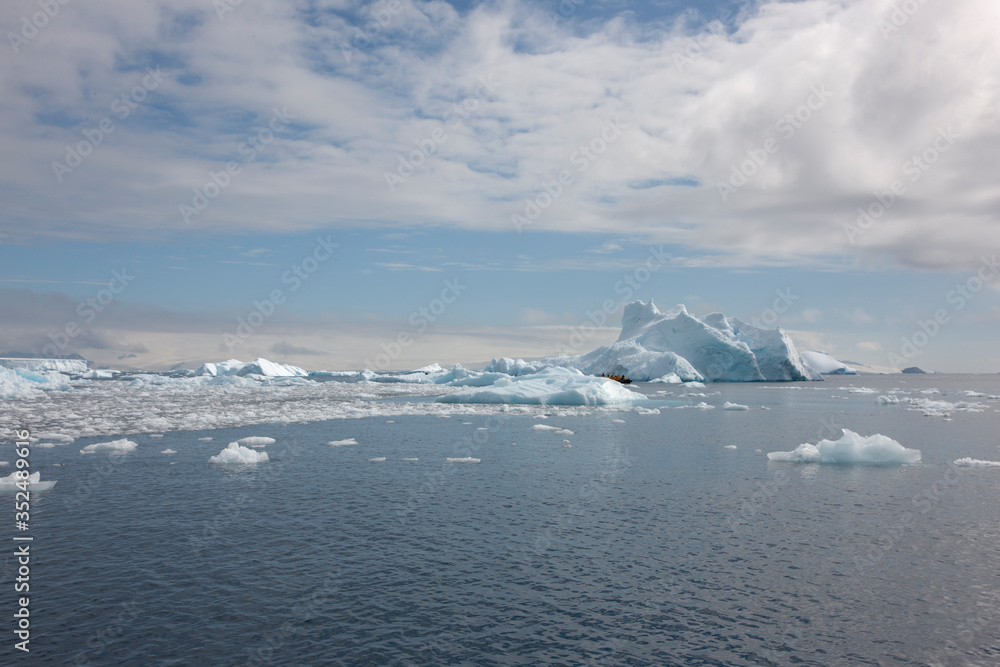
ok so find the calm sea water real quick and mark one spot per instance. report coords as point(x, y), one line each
point(646, 542)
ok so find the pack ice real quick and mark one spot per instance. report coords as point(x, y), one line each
point(550, 386)
point(676, 344)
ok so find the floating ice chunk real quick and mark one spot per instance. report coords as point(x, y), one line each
point(8, 484)
point(207, 438)
point(60, 438)
point(698, 406)
point(617, 421)
point(4, 463)
point(734, 406)
point(887, 400)
point(851, 448)
point(465, 459)
point(646, 411)
point(377, 459)
point(930, 391)
point(862, 390)
point(154, 435)
point(932, 408)
point(123, 445)
point(976, 463)
point(552, 386)
point(341, 443)
point(99, 374)
point(235, 454)
point(45, 445)
point(730, 447)
point(669, 378)
point(256, 441)
point(556, 430)
point(412, 459)
point(694, 384)
point(168, 451)
point(974, 394)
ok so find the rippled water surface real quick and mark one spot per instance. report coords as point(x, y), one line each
point(646, 542)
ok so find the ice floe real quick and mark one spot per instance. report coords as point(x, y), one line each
point(976, 463)
point(463, 459)
point(342, 443)
point(120, 446)
point(168, 451)
point(236, 454)
point(20, 383)
point(256, 441)
point(851, 448)
point(734, 406)
point(551, 386)
point(9, 483)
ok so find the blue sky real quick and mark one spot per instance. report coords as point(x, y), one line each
point(535, 154)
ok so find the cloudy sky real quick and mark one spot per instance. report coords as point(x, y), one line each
point(323, 182)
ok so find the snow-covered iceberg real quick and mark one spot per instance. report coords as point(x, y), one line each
point(551, 386)
point(656, 345)
point(236, 454)
point(826, 364)
point(876, 449)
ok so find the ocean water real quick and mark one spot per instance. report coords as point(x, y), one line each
point(637, 539)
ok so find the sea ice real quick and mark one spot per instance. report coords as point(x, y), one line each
point(466, 459)
point(235, 454)
point(20, 383)
point(977, 463)
point(256, 441)
point(551, 386)
point(730, 447)
point(851, 448)
point(123, 445)
point(734, 406)
point(377, 459)
point(168, 451)
point(341, 443)
point(8, 484)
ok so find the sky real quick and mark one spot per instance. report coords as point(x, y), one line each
point(388, 184)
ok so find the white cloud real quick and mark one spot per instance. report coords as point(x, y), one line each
point(554, 91)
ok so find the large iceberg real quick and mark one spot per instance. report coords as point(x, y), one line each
point(675, 343)
point(550, 386)
point(826, 364)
